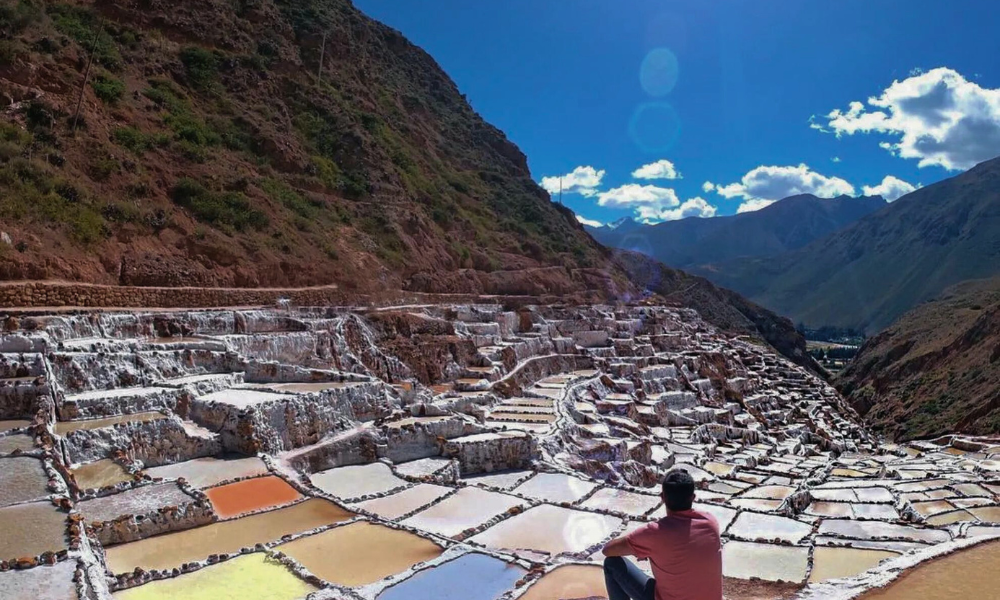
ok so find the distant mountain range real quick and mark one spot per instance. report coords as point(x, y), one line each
point(786, 225)
point(867, 274)
point(846, 262)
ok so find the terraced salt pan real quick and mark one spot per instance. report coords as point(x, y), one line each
point(423, 467)
point(13, 424)
point(360, 553)
point(241, 398)
point(22, 479)
point(942, 519)
point(99, 474)
point(471, 576)
point(722, 514)
point(467, 508)
point(403, 503)
point(832, 563)
point(64, 427)
point(555, 487)
point(751, 526)
point(502, 480)
point(550, 529)
point(31, 529)
point(206, 472)
point(136, 501)
point(769, 492)
point(866, 530)
point(969, 573)
point(300, 388)
point(44, 582)
point(744, 560)
point(987, 514)
point(622, 501)
point(174, 549)
point(569, 581)
point(251, 495)
point(250, 577)
point(357, 480)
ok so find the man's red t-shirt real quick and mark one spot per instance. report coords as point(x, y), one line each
point(686, 555)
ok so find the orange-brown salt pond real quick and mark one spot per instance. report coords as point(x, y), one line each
point(569, 582)
point(251, 495)
point(174, 549)
point(970, 573)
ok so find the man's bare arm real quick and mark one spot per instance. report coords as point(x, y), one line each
point(618, 547)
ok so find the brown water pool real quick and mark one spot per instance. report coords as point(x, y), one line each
point(31, 529)
point(98, 474)
point(569, 583)
point(969, 574)
point(174, 549)
point(360, 553)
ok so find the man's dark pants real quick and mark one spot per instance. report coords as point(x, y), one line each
point(626, 582)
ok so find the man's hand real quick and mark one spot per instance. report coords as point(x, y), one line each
point(618, 547)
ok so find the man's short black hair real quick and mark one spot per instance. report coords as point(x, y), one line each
point(678, 489)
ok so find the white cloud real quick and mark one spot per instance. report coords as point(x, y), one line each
point(707, 187)
point(634, 195)
point(775, 183)
point(589, 222)
point(938, 117)
point(835, 159)
point(582, 180)
point(752, 205)
point(661, 169)
point(891, 188)
point(653, 204)
point(695, 207)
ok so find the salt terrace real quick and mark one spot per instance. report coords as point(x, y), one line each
point(468, 451)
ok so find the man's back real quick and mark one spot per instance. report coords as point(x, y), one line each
point(686, 554)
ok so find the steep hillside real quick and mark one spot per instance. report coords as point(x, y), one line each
point(212, 149)
point(871, 272)
point(788, 224)
point(935, 370)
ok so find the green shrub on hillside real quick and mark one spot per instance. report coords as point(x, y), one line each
point(108, 89)
point(202, 66)
point(137, 141)
point(81, 24)
point(226, 210)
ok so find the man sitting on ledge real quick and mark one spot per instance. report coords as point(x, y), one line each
point(683, 548)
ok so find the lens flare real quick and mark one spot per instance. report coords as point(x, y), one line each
point(654, 127)
point(658, 72)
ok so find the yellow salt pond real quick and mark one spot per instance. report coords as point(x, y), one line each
point(101, 473)
point(833, 563)
point(174, 549)
point(248, 577)
point(360, 553)
point(970, 573)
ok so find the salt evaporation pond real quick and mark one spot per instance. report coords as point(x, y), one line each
point(64, 427)
point(405, 502)
point(207, 472)
point(360, 553)
point(551, 529)
point(99, 474)
point(45, 582)
point(250, 577)
point(569, 582)
point(469, 577)
point(968, 574)
point(174, 549)
point(468, 508)
point(833, 563)
point(251, 495)
point(22, 479)
point(31, 529)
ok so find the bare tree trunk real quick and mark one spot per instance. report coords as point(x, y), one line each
point(86, 75)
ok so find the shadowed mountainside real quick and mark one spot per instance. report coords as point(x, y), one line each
point(788, 224)
point(936, 370)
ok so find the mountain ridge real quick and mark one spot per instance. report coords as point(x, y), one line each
point(695, 243)
point(874, 270)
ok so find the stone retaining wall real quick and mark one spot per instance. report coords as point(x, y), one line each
point(57, 294)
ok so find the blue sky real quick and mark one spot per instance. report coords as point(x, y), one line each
point(726, 94)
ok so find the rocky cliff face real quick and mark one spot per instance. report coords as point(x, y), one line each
point(936, 370)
